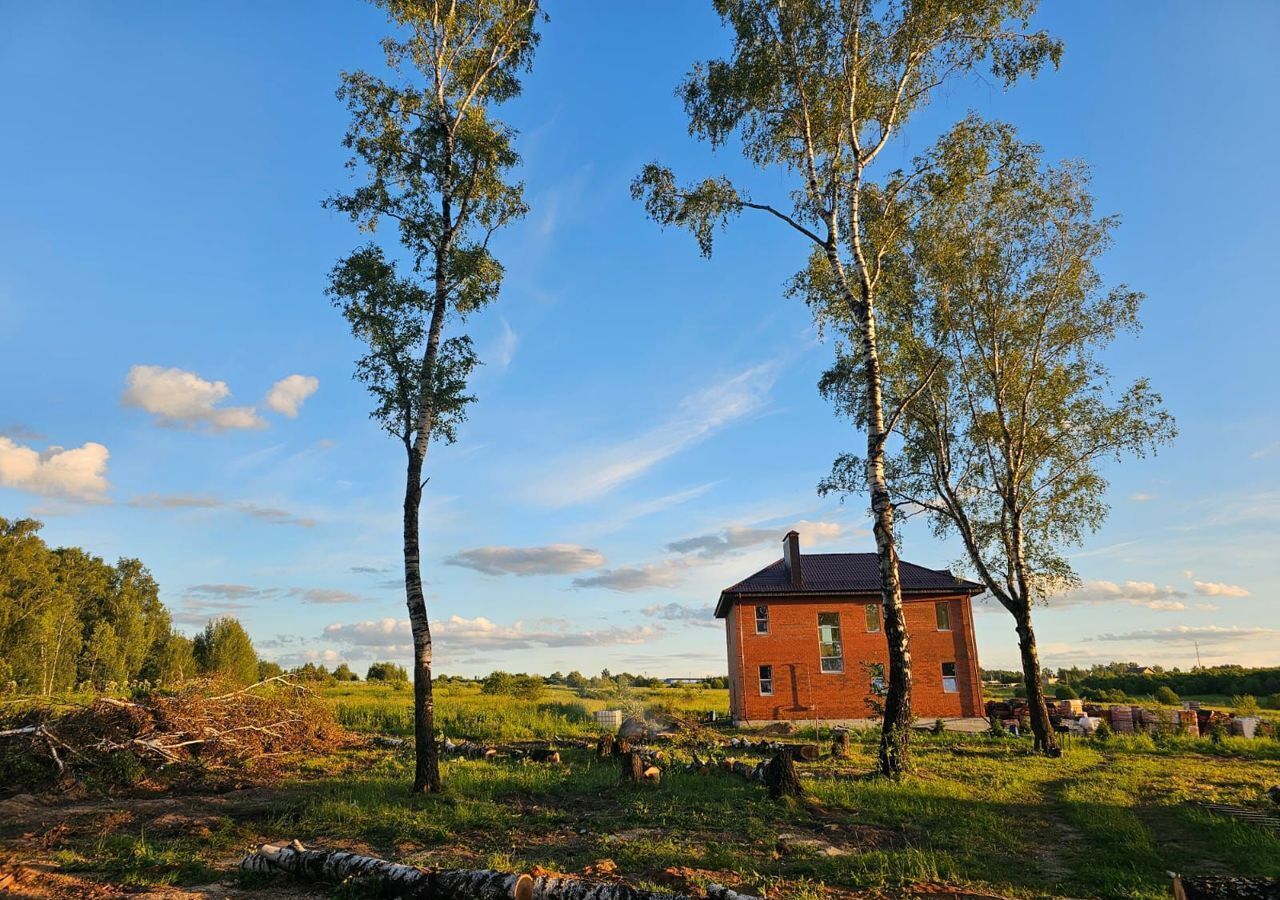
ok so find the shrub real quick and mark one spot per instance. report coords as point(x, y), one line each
point(1166, 696)
point(268, 669)
point(1065, 692)
point(1272, 702)
point(1245, 705)
point(1020, 690)
point(344, 673)
point(386, 671)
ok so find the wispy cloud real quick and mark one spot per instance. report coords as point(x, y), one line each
point(552, 559)
point(78, 473)
point(1269, 450)
point(736, 538)
point(679, 612)
point(630, 579)
point(270, 514)
point(393, 636)
point(180, 399)
point(1184, 633)
point(325, 596)
point(596, 472)
point(1136, 593)
point(504, 348)
point(1142, 497)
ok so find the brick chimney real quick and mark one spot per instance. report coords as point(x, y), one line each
point(791, 557)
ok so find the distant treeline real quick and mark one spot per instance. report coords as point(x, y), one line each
point(1226, 680)
point(1136, 680)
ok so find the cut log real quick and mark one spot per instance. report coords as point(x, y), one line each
point(780, 776)
point(806, 752)
point(1225, 887)
point(394, 879)
point(653, 774)
point(545, 754)
point(604, 747)
point(840, 745)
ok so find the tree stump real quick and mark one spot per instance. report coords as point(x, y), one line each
point(840, 745)
point(632, 766)
point(780, 776)
point(604, 746)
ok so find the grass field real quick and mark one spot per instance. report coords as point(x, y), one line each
point(1110, 819)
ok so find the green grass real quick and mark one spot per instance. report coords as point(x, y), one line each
point(1109, 819)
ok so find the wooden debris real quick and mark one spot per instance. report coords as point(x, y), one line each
point(604, 747)
point(564, 887)
point(1225, 887)
point(1251, 815)
point(393, 879)
point(780, 776)
point(840, 745)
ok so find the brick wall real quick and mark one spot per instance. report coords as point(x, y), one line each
point(802, 691)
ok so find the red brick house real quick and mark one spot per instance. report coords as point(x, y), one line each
point(805, 640)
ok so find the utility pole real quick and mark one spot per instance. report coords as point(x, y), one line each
point(1199, 665)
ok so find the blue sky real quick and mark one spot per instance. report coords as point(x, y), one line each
point(163, 254)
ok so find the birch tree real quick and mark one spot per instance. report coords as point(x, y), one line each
point(436, 165)
point(1005, 445)
point(817, 89)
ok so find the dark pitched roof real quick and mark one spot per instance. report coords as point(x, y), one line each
point(842, 573)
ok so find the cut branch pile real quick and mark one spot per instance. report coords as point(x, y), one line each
point(472, 750)
point(396, 880)
point(128, 740)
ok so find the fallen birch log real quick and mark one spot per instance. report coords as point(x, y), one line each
point(1225, 887)
point(564, 887)
point(394, 879)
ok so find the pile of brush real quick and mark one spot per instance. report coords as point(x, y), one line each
point(199, 729)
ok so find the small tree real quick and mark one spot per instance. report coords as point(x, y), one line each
point(343, 673)
point(817, 88)
point(224, 649)
point(1165, 695)
point(386, 671)
point(436, 165)
point(994, 306)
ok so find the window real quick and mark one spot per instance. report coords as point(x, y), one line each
point(766, 681)
point(762, 620)
point(830, 652)
point(949, 685)
point(873, 617)
point(875, 672)
point(943, 611)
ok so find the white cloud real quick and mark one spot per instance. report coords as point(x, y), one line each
point(553, 559)
point(288, 394)
point(1136, 593)
point(1141, 497)
point(594, 473)
point(1219, 589)
point(183, 399)
point(79, 473)
point(1266, 451)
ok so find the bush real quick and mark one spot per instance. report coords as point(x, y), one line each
point(1020, 690)
point(1065, 692)
point(268, 669)
point(1272, 702)
point(1166, 696)
point(344, 673)
point(1245, 705)
point(386, 671)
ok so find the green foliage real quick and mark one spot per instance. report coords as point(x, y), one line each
point(1164, 694)
point(68, 618)
point(1245, 705)
point(386, 671)
point(528, 687)
point(269, 669)
point(224, 649)
point(343, 673)
point(1065, 692)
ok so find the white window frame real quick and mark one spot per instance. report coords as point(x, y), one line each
point(950, 683)
point(838, 643)
point(942, 610)
point(762, 607)
point(872, 609)
point(765, 680)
